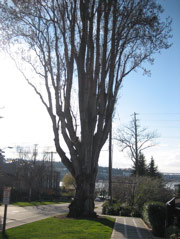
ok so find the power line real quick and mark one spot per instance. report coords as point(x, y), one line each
point(175, 138)
point(159, 113)
point(163, 120)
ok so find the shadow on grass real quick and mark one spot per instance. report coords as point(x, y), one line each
point(68, 228)
point(5, 236)
point(105, 220)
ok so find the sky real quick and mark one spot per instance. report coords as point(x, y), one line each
point(155, 99)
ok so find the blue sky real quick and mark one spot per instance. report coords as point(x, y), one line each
point(156, 99)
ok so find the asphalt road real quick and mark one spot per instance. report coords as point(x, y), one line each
point(17, 216)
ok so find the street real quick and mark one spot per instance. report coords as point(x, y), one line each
point(17, 216)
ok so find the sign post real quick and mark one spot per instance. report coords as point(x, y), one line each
point(6, 199)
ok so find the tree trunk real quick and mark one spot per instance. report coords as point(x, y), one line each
point(83, 203)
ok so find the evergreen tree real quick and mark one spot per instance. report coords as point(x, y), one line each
point(135, 139)
point(153, 169)
point(142, 166)
point(1, 156)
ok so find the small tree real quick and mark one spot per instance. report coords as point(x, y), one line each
point(152, 169)
point(135, 191)
point(1, 157)
point(69, 185)
point(32, 175)
point(142, 166)
point(124, 189)
point(151, 189)
point(69, 181)
point(136, 139)
point(26, 168)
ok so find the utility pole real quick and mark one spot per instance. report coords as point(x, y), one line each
point(35, 152)
point(51, 168)
point(110, 164)
point(136, 145)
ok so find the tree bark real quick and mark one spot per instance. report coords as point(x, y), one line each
point(83, 203)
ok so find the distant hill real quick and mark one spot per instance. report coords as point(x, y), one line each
point(103, 172)
point(171, 177)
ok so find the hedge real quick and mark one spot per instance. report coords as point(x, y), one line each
point(118, 209)
point(154, 214)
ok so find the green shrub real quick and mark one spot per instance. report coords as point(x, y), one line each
point(110, 210)
point(154, 214)
point(136, 191)
point(135, 212)
point(105, 207)
point(173, 232)
point(151, 189)
point(113, 209)
point(117, 209)
point(125, 210)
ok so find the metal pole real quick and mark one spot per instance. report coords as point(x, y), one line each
point(4, 219)
point(51, 170)
point(136, 145)
point(110, 163)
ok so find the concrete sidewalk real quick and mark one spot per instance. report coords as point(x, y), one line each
point(130, 228)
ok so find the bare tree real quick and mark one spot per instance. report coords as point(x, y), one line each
point(124, 189)
point(87, 47)
point(136, 139)
point(32, 175)
point(26, 168)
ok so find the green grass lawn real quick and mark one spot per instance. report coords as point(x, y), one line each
point(24, 204)
point(64, 228)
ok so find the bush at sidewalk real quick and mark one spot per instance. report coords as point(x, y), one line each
point(109, 209)
point(117, 209)
point(136, 191)
point(125, 210)
point(173, 232)
point(154, 214)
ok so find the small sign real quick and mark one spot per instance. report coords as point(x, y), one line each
point(6, 195)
